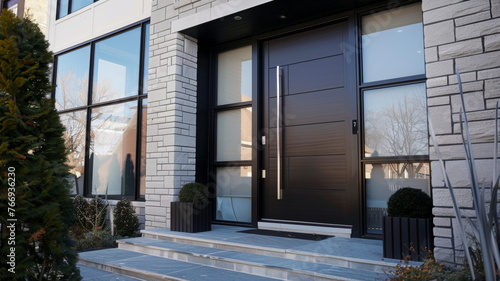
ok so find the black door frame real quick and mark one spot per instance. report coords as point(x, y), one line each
point(353, 86)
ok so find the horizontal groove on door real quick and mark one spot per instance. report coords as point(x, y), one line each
point(319, 139)
point(309, 108)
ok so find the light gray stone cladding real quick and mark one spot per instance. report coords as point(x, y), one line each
point(171, 116)
point(464, 35)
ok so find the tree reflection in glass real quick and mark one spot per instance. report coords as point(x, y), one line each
point(113, 149)
point(395, 121)
point(74, 137)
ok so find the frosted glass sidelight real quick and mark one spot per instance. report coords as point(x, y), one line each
point(382, 180)
point(234, 135)
point(234, 194)
point(234, 76)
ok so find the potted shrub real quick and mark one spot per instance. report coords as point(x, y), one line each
point(192, 213)
point(408, 226)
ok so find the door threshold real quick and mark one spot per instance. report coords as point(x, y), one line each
point(309, 229)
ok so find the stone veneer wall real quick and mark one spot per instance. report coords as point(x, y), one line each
point(171, 118)
point(464, 35)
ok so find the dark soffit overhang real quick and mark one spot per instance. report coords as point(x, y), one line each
point(268, 17)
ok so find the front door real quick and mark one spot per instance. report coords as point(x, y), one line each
point(310, 153)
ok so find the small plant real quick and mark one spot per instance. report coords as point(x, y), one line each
point(91, 214)
point(126, 222)
point(410, 203)
point(429, 270)
point(194, 192)
point(100, 240)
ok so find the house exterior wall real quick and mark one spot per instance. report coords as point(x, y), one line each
point(463, 35)
point(92, 21)
point(458, 33)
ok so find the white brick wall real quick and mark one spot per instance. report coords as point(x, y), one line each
point(463, 34)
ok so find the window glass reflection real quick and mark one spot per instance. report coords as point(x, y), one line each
point(234, 194)
point(112, 149)
point(142, 191)
point(395, 121)
point(63, 8)
point(382, 180)
point(72, 78)
point(234, 135)
point(146, 59)
point(392, 44)
point(234, 77)
point(116, 66)
point(78, 4)
point(74, 140)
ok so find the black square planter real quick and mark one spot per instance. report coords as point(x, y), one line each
point(190, 217)
point(401, 233)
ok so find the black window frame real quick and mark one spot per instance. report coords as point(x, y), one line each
point(214, 109)
point(69, 8)
point(365, 86)
point(139, 98)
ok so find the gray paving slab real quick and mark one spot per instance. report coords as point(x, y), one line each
point(92, 274)
point(168, 267)
point(256, 259)
point(356, 248)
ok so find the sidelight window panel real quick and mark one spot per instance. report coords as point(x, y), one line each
point(74, 140)
point(234, 76)
point(393, 44)
point(382, 180)
point(234, 135)
point(395, 121)
point(113, 132)
point(234, 194)
point(116, 66)
point(72, 78)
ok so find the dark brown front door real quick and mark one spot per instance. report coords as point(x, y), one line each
point(317, 145)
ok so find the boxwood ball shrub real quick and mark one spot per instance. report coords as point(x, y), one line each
point(411, 203)
point(194, 192)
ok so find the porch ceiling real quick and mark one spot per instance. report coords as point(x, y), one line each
point(268, 17)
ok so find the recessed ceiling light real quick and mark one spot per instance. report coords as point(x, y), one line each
point(238, 18)
point(282, 17)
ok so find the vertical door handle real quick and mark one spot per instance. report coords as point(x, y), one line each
point(278, 133)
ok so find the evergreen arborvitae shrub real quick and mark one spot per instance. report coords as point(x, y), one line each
point(126, 222)
point(411, 203)
point(194, 192)
point(32, 145)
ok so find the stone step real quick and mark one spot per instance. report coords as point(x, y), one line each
point(249, 263)
point(93, 274)
point(325, 252)
point(147, 267)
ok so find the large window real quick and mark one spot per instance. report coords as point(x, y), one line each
point(101, 95)
point(233, 137)
point(395, 136)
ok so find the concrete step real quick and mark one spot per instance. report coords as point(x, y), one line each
point(244, 262)
point(127, 264)
point(339, 252)
point(93, 274)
